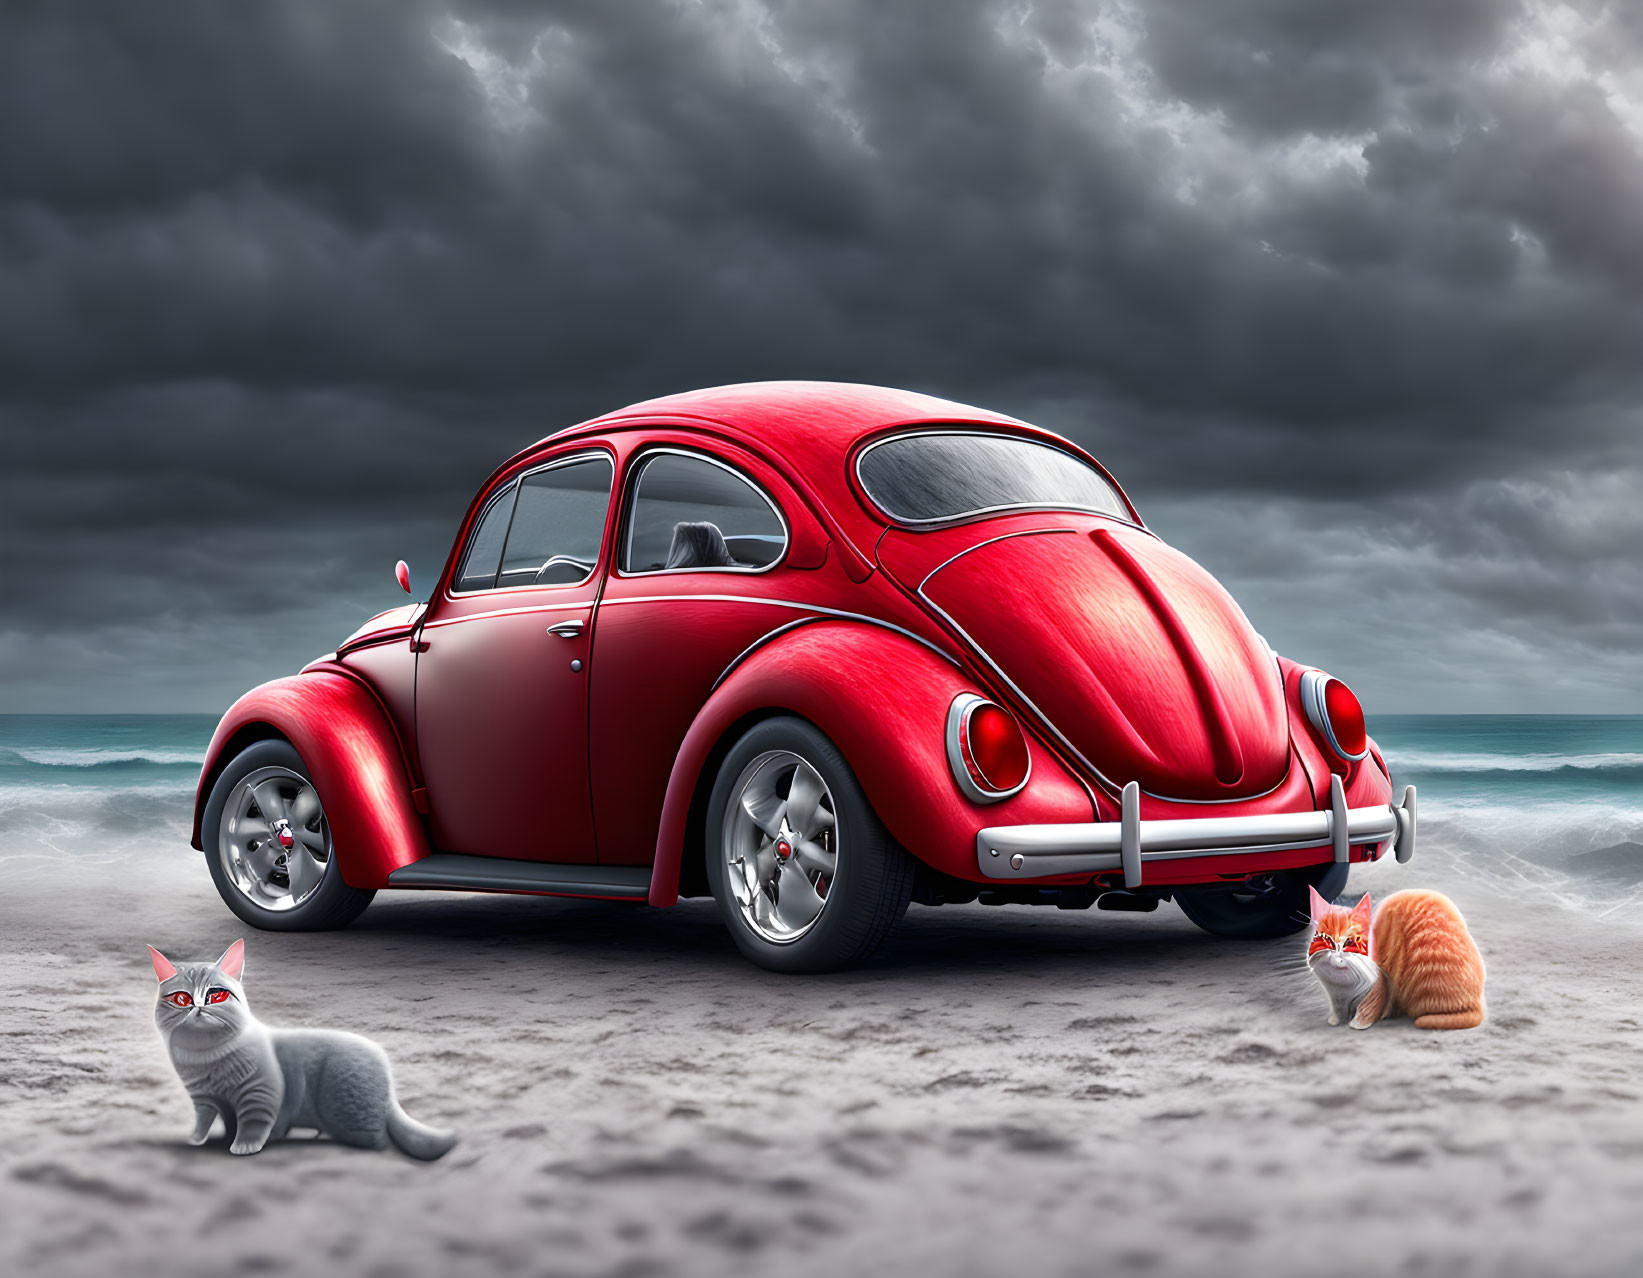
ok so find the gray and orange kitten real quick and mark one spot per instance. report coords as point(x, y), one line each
point(263, 1081)
point(1417, 960)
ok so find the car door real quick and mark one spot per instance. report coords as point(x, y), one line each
point(502, 691)
point(699, 575)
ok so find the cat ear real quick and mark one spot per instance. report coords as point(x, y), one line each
point(1361, 910)
point(1320, 907)
point(163, 968)
point(233, 959)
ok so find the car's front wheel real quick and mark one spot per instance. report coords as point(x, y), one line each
point(268, 845)
point(807, 878)
point(1270, 905)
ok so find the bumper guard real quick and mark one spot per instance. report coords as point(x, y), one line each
point(1034, 851)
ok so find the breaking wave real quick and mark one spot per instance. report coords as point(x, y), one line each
point(1470, 762)
point(101, 757)
point(1587, 855)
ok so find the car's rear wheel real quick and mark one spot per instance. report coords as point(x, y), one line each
point(268, 845)
point(806, 876)
point(1269, 906)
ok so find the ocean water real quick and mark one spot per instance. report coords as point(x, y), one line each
point(79, 792)
point(1550, 804)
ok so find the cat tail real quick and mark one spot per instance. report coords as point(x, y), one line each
point(417, 1139)
point(1469, 1019)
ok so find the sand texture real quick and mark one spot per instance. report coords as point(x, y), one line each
point(1001, 1091)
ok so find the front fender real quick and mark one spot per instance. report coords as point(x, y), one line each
point(882, 699)
point(353, 757)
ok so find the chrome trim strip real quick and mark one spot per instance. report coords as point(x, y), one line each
point(1128, 518)
point(388, 634)
point(1010, 683)
point(756, 599)
point(758, 643)
point(625, 532)
point(817, 609)
point(508, 612)
point(958, 720)
point(509, 492)
point(1033, 851)
point(1025, 532)
point(778, 603)
point(1027, 701)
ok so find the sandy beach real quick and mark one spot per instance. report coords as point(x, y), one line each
point(1001, 1089)
point(528, 412)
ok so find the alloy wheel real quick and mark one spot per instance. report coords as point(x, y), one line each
point(780, 845)
point(274, 842)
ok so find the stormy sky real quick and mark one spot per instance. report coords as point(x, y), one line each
point(1349, 296)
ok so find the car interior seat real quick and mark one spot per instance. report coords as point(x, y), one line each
point(699, 545)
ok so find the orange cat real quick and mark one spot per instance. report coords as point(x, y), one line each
point(1418, 960)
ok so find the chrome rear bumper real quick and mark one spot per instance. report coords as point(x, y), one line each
point(1033, 851)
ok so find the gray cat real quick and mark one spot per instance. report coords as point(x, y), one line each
point(266, 1081)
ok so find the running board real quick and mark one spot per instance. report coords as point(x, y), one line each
point(458, 872)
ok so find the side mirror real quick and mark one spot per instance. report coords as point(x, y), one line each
point(402, 574)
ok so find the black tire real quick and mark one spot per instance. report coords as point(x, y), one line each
point(874, 875)
point(1283, 910)
point(331, 905)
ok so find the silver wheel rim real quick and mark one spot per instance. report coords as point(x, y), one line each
point(274, 841)
point(780, 845)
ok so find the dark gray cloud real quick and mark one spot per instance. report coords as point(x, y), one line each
point(1286, 68)
point(1347, 295)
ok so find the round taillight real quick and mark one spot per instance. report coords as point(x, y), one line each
point(1335, 713)
point(986, 749)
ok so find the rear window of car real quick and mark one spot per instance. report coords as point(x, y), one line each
point(935, 476)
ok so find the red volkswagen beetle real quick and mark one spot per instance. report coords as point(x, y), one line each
point(816, 650)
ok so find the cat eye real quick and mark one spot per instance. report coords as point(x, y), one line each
point(1321, 942)
point(218, 996)
point(182, 998)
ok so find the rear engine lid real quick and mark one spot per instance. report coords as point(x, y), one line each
point(1133, 654)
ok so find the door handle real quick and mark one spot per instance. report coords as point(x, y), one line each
point(566, 629)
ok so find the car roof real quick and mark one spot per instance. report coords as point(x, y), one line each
point(795, 418)
point(807, 430)
point(807, 427)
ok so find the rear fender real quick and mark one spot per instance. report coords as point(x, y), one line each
point(353, 756)
point(882, 698)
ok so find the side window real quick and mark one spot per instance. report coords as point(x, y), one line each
point(690, 513)
point(558, 522)
point(484, 554)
